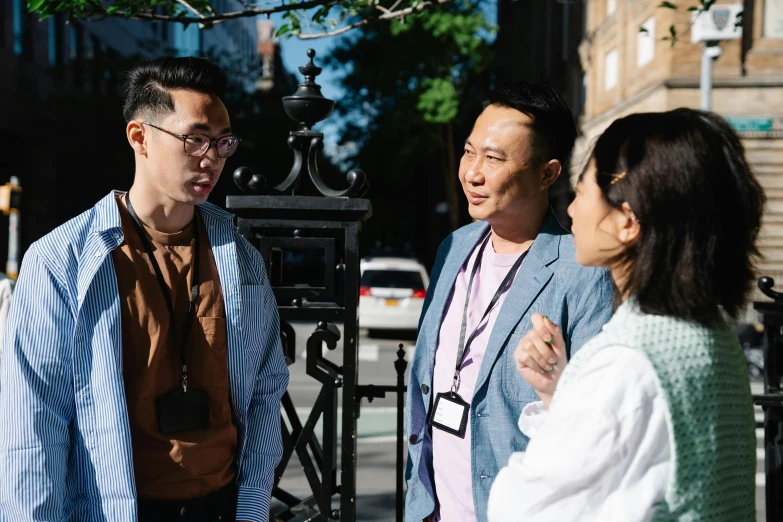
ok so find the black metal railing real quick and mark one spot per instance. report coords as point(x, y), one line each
point(370, 392)
point(771, 400)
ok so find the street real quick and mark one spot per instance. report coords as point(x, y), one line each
point(377, 426)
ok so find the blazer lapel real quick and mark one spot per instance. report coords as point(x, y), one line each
point(454, 261)
point(532, 277)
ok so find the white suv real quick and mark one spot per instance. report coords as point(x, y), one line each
point(391, 293)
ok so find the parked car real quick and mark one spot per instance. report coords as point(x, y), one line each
point(391, 293)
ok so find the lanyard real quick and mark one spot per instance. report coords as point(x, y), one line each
point(176, 341)
point(464, 346)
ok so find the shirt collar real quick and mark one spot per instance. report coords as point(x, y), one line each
point(107, 215)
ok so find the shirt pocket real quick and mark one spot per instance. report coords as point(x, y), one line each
point(214, 359)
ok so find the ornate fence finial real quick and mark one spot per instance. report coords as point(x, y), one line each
point(306, 106)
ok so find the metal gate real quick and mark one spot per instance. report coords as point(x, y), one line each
point(304, 218)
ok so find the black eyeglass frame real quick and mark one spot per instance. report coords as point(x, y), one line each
point(184, 138)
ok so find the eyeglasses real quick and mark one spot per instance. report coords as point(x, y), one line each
point(198, 144)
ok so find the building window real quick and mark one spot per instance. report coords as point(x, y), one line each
point(89, 47)
point(2, 24)
point(97, 64)
point(611, 6)
point(76, 52)
point(773, 18)
point(645, 43)
point(75, 43)
point(56, 37)
point(186, 40)
point(610, 70)
point(23, 34)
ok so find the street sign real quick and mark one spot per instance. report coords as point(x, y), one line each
point(718, 23)
point(750, 123)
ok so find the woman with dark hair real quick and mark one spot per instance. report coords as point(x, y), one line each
point(652, 418)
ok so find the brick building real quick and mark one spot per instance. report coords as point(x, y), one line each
point(627, 71)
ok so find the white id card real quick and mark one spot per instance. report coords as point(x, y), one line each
point(450, 414)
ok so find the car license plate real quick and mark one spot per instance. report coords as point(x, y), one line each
point(392, 302)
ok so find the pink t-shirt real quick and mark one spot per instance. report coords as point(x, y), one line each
point(451, 454)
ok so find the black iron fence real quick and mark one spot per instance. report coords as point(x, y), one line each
point(772, 399)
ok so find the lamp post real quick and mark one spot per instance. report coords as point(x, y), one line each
point(710, 27)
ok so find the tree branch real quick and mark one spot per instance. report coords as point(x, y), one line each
point(219, 18)
point(389, 15)
point(190, 8)
point(333, 33)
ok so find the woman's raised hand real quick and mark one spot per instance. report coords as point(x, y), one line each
point(541, 357)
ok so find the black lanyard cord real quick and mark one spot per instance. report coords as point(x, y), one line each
point(464, 346)
point(175, 338)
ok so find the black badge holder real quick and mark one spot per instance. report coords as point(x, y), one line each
point(182, 410)
point(457, 400)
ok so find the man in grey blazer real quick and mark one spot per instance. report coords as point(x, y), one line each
point(465, 394)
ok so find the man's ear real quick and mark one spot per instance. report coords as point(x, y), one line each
point(135, 133)
point(551, 171)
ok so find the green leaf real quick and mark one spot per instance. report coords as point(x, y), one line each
point(673, 31)
point(285, 28)
point(438, 102)
point(35, 5)
point(668, 5)
point(693, 8)
point(644, 30)
point(320, 15)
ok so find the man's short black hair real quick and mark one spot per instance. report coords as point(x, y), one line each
point(148, 84)
point(699, 208)
point(553, 127)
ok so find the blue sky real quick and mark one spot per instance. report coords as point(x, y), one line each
point(294, 51)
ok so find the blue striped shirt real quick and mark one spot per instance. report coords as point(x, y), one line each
point(65, 445)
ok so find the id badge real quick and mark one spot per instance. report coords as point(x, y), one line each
point(183, 410)
point(450, 414)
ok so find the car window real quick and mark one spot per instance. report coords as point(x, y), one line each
point(392, 279)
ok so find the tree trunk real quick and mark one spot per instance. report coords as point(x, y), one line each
point(451, 178)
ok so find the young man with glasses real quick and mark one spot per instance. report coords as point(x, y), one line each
point(142, 368)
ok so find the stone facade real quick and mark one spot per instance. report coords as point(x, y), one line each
point(653, 75)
